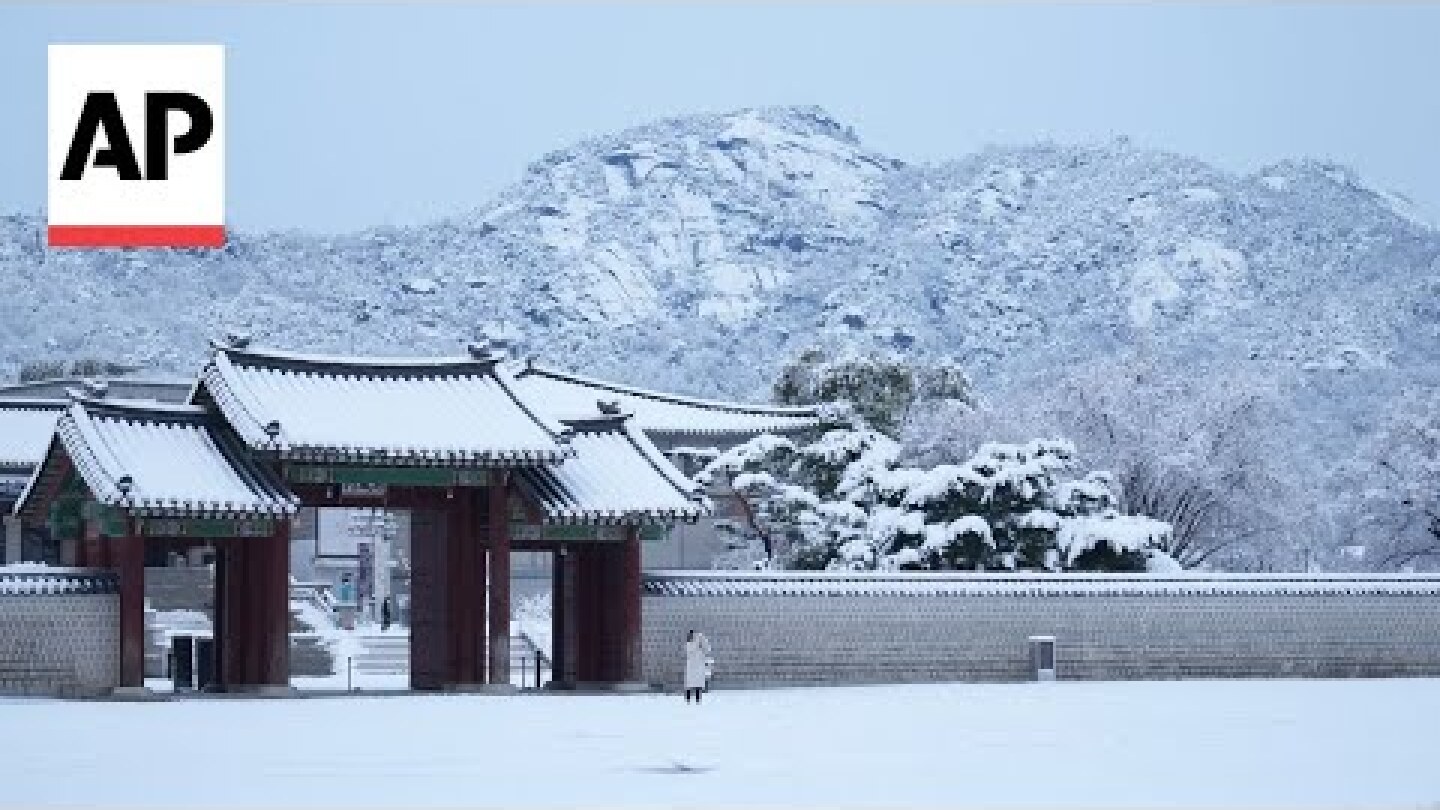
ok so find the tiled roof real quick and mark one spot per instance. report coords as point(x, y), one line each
point(564, 395)
point(443, 412)
point(162, 389)
point(165, 460)
point(617, 475)
point(740, 583)
point(26, 426)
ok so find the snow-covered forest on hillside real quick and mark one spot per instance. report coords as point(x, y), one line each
point(1249, 358)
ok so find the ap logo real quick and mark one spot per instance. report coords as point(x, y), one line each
point(137, 146)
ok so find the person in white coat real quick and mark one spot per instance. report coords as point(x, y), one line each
point(697, 665)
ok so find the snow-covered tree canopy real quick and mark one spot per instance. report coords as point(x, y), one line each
point(1395, 489)
point(844, 501)
point(879, 390)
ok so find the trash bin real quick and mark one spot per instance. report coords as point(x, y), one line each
point(182, 662)
point(1042, 658)
point(204, 662)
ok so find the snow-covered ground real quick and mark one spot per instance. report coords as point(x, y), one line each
point(1193, 743)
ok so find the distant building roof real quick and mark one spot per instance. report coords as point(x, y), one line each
point(161, 460)
point(565, 395)
point(26, 426)
point(161, 389)
point(442, 411)
point(616, 475)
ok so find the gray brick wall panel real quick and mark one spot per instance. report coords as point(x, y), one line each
point(59, 644)
point(856, 638)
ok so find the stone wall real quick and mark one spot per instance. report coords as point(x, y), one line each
point(59, 632)
point(895, 628)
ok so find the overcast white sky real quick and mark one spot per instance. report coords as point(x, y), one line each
point(343, 117)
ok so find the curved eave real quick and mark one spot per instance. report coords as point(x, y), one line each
point(100, 468)
point(665, 432)
point(602, 517)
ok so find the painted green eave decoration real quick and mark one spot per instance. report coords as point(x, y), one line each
point(581, 533)
point(110, 520)
point(393, 476)
point(208, 528)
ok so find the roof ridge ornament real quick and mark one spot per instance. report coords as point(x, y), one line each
point(235, 340)
point(483, 350)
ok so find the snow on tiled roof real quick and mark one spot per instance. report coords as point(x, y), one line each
point(617, 475)
point(26, 426)
point(168, 460)
point(741, 583)
point(38, 579)
point(434, 411)
point(564, 395)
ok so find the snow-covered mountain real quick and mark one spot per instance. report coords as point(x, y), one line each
point(699, 253)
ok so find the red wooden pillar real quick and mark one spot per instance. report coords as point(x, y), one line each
point(130, 565)
point(592, 637)
point(272, 598)
point(627, 594)
point(479, 590)
point(605, 609)
point(104, 552)
point(562, 616)
point(498, 518)
point(90, 553)
point(583, 618)
point(465, 573)
point(429, 600)
point(231, 656)
point(250, 618)
point(220, 619)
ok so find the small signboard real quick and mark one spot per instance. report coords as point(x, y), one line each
point(582, 533)
point(358, 490)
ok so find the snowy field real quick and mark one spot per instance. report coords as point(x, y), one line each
point(1195, 743)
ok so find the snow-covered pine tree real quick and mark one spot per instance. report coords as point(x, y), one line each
point(882, 391)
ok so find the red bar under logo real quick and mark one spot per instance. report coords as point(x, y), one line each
point(137, 236)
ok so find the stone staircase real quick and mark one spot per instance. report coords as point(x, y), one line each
point(389, 653)
point(382, 652)
point(167, 589)
point(309, 658)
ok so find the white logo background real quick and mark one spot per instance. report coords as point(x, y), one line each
point(194, 194)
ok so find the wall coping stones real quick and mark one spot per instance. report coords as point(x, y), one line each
point(918, 583)
point(53, 581)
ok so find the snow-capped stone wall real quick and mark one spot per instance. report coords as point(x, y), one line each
point(59, 631)
point(768, 629)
